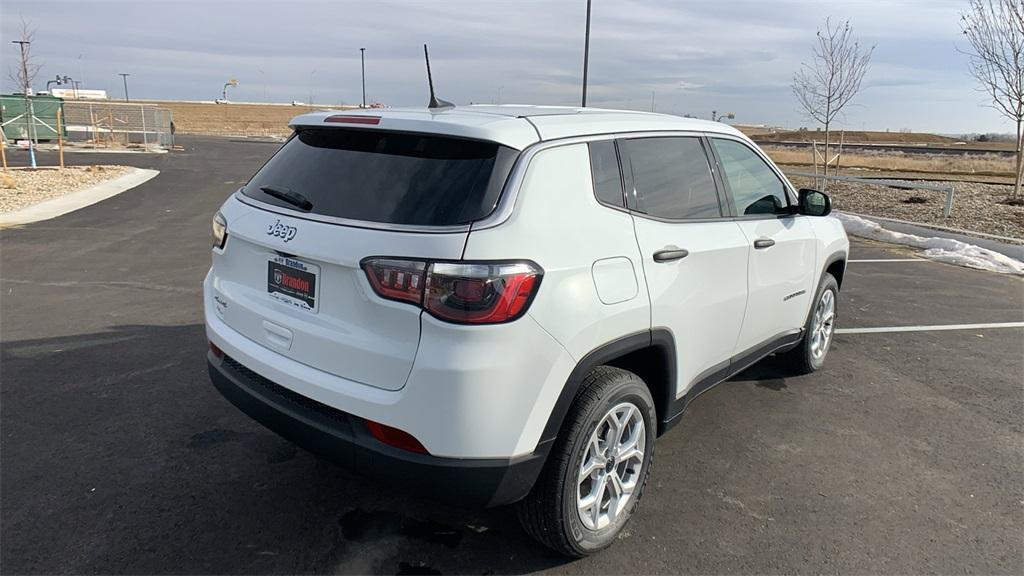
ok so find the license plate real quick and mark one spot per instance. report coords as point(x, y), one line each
point(293, 282)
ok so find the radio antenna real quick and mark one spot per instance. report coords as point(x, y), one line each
point(434, 101)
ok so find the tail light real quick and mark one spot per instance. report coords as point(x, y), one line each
point(220, 230)
point(459, 292)
point(396, 279)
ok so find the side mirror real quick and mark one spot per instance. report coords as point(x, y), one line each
point(814, 203)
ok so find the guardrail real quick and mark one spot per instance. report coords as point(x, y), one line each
point(890, 183)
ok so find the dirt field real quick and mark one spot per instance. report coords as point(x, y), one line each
point(989, 167)
point(234, 119)
point(860, 136)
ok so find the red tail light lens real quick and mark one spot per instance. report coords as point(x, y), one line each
point(460, 292)
point(395, 437)
point(480, 293)
point(394, 279)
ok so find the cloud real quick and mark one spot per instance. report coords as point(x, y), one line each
point(694, 56)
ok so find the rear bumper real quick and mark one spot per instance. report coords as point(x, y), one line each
point(345, 439)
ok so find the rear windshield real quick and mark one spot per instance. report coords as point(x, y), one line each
point(386, 177)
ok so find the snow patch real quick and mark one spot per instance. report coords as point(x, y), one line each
point(940, 249)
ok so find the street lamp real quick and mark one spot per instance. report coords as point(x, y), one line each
point(362, 62)
point(728, 115)
point(124, 77)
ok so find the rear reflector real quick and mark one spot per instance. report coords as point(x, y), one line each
point(341, 119)
point(217, 352)
point(395, 437)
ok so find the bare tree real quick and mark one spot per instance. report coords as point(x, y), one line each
point(826, 84)
point(24, 73)
point(995, 30)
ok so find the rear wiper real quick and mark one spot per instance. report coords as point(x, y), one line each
point(289, 196)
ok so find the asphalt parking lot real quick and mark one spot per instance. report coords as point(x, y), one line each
point(904, 455)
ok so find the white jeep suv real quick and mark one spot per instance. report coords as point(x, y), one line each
point(507, 304)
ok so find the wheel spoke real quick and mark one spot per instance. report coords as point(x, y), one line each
point(632, 453)
point(616, 495)
point(594, 497)
point(589, 467)
point(627, 443)
point(619, 487)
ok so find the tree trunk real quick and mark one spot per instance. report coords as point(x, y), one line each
point(1020, 159)
point(824, 181)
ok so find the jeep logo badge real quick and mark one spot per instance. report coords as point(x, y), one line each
point(282, 230)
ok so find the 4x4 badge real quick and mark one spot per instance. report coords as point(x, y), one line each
point(282, 230)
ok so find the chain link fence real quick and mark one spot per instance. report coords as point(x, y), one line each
point(118, 124)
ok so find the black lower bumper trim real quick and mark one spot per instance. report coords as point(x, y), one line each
point(345, 439)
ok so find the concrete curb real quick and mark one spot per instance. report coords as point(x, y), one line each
point(70, 202)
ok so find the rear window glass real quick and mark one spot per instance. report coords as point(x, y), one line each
point(604, 164)
point(387, 177)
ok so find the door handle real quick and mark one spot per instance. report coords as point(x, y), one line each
point(762, 243)
point(670, 254)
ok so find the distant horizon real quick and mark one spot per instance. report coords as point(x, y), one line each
point(736, 56)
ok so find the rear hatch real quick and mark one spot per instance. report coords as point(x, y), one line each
point(290, 273)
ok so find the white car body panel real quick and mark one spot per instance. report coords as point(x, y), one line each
point(558, 182)
point(700, 299)
point(488, 391)
point(467, 395)
point(355, 334)
point(781, 279)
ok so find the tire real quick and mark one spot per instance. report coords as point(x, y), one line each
point(809, 355)
point(549, 513)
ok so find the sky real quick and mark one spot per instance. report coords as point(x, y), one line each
point(689, 57)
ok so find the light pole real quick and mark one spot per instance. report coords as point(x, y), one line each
point(362, 63)
point(586, 56)
point(27, 114)
point(124, 77)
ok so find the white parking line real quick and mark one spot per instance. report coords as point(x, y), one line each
point(938, 327)
point(890, 260)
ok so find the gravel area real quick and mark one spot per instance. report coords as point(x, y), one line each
point(20, 188)
point(976, 206)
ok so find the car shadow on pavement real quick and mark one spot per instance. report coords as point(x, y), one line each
point(118, 456)
point(768, 373)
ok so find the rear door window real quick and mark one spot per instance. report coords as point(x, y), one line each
point(672, 178)
point(387, 177)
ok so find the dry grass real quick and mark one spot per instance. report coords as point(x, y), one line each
point(860, 136)
point(234, 119)
point(890, 161)
point(916, 139)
